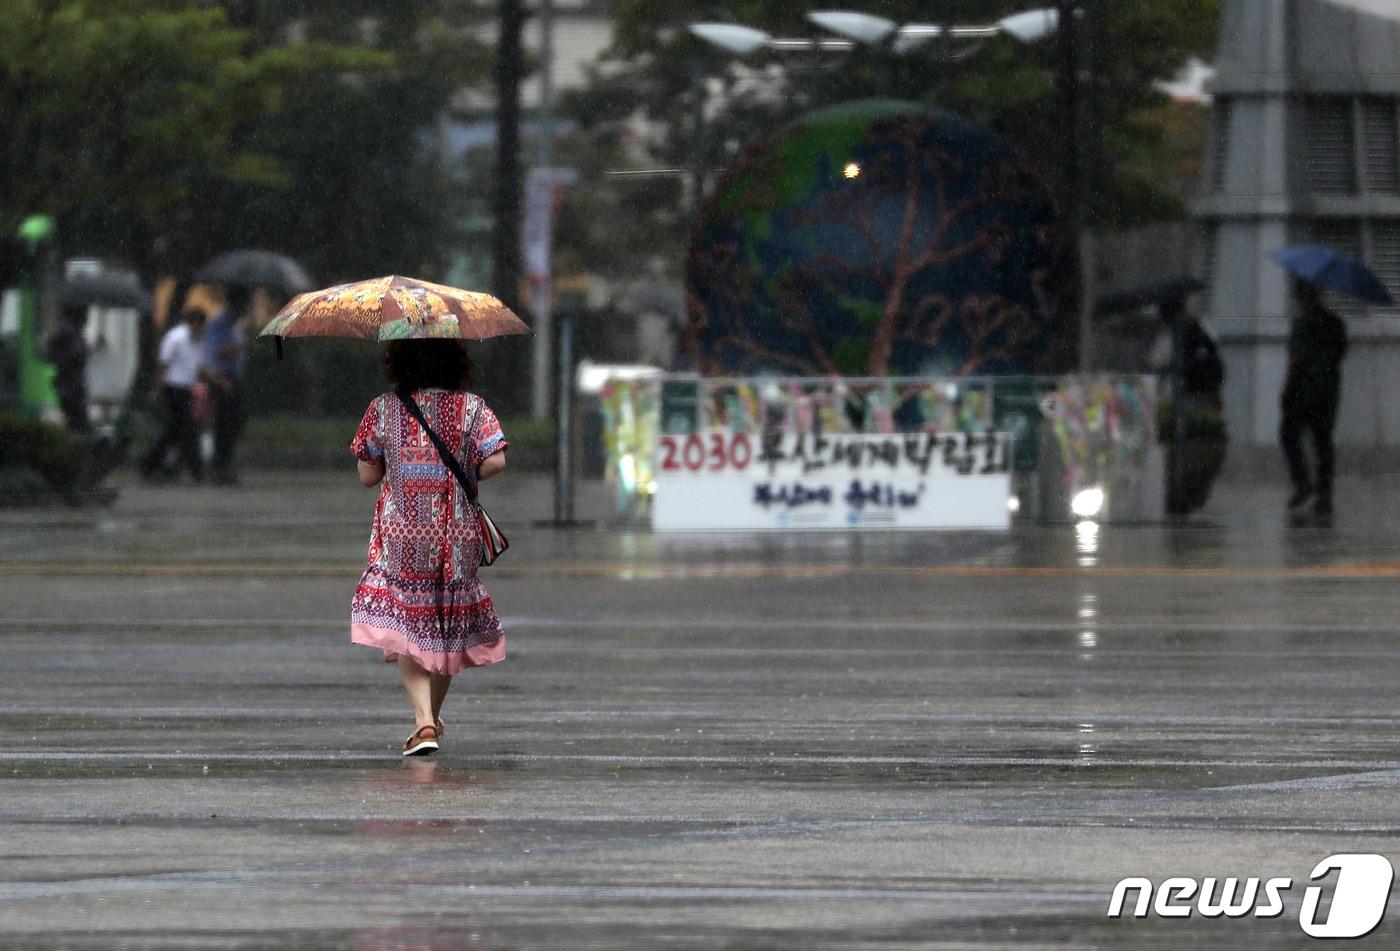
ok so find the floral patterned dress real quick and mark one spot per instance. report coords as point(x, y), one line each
point(420, 595)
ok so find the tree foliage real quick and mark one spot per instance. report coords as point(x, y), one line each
point(162, 132)
point(366, 187)
point(120, 114)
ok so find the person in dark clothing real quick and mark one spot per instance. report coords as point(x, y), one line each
point(1202, 370)
point(1193, 375)
point(68, 352)
point(224, 357)
point(1317, 342)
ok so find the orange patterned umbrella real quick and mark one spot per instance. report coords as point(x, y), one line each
point(394, 308)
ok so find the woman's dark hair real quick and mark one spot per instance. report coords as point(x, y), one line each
point(428, 364)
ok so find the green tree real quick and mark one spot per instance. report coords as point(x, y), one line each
point(365, 187)
point(120, 114)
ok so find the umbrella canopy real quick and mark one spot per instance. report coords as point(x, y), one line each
point(1156, 292)
point(394, 308)
point(105, 289)
point(256, 269)
point(1332, 270)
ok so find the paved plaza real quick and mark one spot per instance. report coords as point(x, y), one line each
point(833, 741)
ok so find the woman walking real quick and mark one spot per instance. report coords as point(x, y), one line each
point(419, 600)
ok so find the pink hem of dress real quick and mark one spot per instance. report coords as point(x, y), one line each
point(393, 644)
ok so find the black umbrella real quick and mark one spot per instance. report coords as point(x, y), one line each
point(256, 269)
point(105, 289)
point(1155, 292)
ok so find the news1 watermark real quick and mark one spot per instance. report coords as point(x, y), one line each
point(1358, 897)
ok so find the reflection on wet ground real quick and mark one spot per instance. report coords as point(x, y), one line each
point(832, 741)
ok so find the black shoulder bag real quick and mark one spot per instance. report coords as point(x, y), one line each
point(493, 542)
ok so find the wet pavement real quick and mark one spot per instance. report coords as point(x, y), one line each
point(818, 741)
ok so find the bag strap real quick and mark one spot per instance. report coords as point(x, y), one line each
point(448, 457)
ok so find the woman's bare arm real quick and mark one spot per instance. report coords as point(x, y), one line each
point(492, 465)
point(370, 472)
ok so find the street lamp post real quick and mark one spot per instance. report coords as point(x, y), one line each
point(1078, 81)
point(854, 29)
point(1093, 43)
point(551, 334)
point(541, 287)
point(506, 196)
point(867, 29)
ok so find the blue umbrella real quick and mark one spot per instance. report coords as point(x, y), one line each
point(1332, 270)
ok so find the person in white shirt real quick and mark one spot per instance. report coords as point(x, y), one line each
point(181, 366)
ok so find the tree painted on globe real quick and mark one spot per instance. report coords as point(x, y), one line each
point(879, 238)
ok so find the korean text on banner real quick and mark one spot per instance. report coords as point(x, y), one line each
point(739, 481)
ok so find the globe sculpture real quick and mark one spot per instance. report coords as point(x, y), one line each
point(881, 238)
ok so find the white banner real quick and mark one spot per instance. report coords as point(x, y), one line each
point(728, 481)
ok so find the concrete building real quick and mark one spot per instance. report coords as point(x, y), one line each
point(1304, 150)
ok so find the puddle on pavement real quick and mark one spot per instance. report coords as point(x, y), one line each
point(377, 775)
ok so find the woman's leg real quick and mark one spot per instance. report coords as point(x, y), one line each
point(418, 683)
point(440, 683)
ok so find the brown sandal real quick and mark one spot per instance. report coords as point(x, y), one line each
point(422, 743)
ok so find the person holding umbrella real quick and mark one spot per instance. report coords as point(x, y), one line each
point(1317, 343)
point(239, 272)
point(1187, 360)
point(420, 600)
point(425, 444)
point(224, 358)
point(68, 351)
point(67, 347)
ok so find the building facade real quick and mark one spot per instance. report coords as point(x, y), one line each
point(1305, 148)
